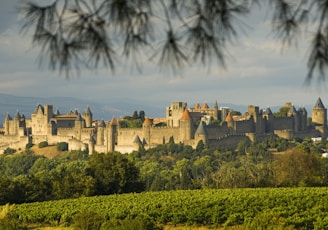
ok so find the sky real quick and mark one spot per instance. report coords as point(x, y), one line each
point(257, 73)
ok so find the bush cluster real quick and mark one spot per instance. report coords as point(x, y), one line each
point(43, 144)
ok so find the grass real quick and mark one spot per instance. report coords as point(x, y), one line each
point(50, 151)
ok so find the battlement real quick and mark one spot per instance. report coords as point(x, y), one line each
point(181, 121)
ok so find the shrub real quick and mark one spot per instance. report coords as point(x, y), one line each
point(29, 145)
point(62, 146)
point(43, 144)
point(8, 151)
point(139, 223)
point(88, 220)
point(8, 221)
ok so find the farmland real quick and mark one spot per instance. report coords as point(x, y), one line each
point(298, 208)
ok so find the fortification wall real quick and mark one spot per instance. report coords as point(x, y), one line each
point(14, 142)
point(66, 132)
point(159, 133)
point(287, 134)
point(124, 148)
point(36, 139)
point(74, 144)
point(101, 148)
point(215, 132)
point(54, 139)
point(245, 126)
point(229, 141)
point(283, 123)
point(65, 123)
point(126, 136)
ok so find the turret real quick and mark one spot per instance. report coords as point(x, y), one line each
point(201, 134)
point(268, 116)
point(91, 145)
point(136, 143)
point(147, 124)
point(100, 133)
point(319, 116)
point(87, 116)
point(7, 124)
point(292, 113)
point(112, 135)
point(186, 126)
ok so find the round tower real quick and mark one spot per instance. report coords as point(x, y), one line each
point(201, 134)
point(319, 116)
point(112, 135)
point(91, 145)
point(186, 130)
point(87, 116)
point(147, 124)
point(100, 133)
point(7, 124)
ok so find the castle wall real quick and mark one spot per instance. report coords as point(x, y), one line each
point(244, 126)
point(214, 132)
point(160, 133)
point(227, 141)
point(14, 142)
point(74, 144)
point(126, 136)
point(287, 134)
point(283, 123)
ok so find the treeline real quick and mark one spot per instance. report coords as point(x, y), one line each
point(28, 178)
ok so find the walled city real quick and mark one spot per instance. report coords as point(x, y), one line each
point(213, 126)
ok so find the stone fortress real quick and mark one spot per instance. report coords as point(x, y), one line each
point(185, 125)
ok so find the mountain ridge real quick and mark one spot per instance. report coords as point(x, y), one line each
point(115, 107)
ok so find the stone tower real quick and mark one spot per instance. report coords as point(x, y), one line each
point(147, 124)
point(87, 116)
point(112, 135)
point(186, 130)
point(101, 133)
point(174, 113)
point(296, 119)
point(319, 117)
point(268, 116)
point(200, 134)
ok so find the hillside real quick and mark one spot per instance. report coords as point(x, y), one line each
point(49, 151)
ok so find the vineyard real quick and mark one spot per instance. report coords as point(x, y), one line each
point(297, 208)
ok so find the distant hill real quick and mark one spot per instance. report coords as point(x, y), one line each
point(116, 107)
point(26, 105)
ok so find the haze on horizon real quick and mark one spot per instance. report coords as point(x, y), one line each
point(257, 73)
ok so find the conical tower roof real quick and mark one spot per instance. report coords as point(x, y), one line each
point(87, 111)
point(186, 115)
point(292, 110)
point(113, 121)
point(92, 140)
point(102, 124)
point(319, 104)
point(268, 111)
point(78, 117)
point(8, 117)
point(147, 121)
point(137, 140)
point(229, 117)
point(17, 115)
point(197, 106)
point(200, 130)
point(205, 106)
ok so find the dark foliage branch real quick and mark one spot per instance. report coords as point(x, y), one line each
point(82, 33)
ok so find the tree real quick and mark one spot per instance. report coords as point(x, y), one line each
point(114, 173)
point(174, 33)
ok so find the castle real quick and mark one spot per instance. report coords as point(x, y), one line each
point(213, 126)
